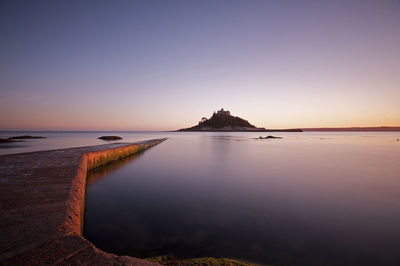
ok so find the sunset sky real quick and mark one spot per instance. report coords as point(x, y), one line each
point(162, 65)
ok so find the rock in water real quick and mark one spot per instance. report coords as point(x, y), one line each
point(269, 137)
point(110, 138)
point(7, 140)
point(27, 137)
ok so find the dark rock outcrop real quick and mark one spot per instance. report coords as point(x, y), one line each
point(7, 140)
point(27, 137)
point(110, 138)
point(269, 137)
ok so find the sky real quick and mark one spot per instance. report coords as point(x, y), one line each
point(163, 65)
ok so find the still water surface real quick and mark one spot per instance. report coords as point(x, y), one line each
point(306, 199)
point(68, 139)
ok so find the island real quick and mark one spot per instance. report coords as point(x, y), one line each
point(223, 121)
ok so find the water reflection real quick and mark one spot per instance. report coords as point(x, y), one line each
point(100, 172)
point(299, 200)
point(228, 138)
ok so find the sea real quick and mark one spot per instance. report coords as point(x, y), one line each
point(308, 198)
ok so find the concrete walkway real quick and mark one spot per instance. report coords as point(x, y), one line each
point(42, 200)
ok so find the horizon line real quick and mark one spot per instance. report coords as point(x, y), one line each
point(350, 128)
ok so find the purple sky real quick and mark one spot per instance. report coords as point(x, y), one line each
point(162, 65)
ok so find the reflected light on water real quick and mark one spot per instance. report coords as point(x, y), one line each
point(305, 199)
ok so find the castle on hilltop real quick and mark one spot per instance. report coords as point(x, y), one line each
point(222, 112)
point(219, 113)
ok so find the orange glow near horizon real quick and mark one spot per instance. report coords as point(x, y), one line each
point(277, 65)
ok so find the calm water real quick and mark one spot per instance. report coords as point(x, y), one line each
point(68, 139)
point(306, 199)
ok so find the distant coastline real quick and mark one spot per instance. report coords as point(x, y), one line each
point(355, 129)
